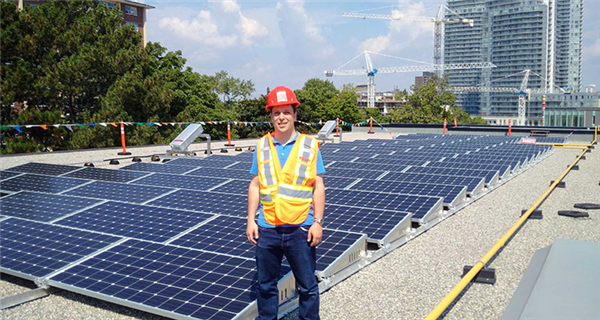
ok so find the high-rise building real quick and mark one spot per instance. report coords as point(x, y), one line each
point(421, 80)
point(134, 13)
point(544, 36)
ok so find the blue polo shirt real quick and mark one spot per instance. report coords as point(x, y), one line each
point(283, 151)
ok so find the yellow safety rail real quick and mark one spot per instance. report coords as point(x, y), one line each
point(467, 278)
point(564, 145)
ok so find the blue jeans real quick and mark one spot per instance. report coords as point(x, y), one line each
point(272, 244)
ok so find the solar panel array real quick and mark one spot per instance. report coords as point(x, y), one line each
point(169, 238)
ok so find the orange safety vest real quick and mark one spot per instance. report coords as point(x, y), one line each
point(287, 193)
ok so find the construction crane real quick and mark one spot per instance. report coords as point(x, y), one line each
point(438, 21)
point(522, 91)
point(370, 71)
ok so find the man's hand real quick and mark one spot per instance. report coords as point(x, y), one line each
point(252, 232)
point(315, 233)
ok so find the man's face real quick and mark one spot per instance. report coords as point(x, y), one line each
point(283, 118)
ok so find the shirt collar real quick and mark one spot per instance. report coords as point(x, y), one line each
point(275, 142)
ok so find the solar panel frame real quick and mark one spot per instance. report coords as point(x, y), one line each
point(32, 250)
point(45, 168)
point(110, 175)
point(41, 183)
point(130, 193)
point(42, 207)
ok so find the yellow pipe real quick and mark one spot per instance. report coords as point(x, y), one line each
point(443, 305)
point(570, 147)
point(573, 144)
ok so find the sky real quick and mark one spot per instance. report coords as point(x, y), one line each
point(276, 43)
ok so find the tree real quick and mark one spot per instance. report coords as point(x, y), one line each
point(313, 96)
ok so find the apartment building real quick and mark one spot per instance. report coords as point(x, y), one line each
point(544, 36)
point(134, 13)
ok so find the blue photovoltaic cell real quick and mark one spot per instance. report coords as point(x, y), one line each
point(333, 246)
point(42, 206)
point(227, 235)
point(234, 187)
point(450, 193)
point(38, 249)
point(119, 191)
point(181, 181)
point(44, 168)
point(222, 173)
point(159, 168)
point(472, 183)
point(418, 205)
point(204, 162)
point(375, 223)
point(209, 202)
point(135, 221)
point(41, 183)
point(185, 282)
point(223, 235)
point(337, 182)
point(107, 174)
point(350, 173)
point(8, 174)
point(487, 174)
point(246, 165)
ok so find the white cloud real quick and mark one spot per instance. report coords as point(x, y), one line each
point(301, 34)
point(405, 36)
point(224, 26)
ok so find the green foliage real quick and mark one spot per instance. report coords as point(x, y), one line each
point(431, 103)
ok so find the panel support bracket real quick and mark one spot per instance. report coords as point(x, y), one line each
point(24, 297)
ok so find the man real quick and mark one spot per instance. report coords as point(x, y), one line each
point(288, 181)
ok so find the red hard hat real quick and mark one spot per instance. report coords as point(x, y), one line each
point(281, 96)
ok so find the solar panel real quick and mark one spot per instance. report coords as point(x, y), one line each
point(209, 202)
point(503, 170)
point(107, 174)
point(160, 168)
point(491, 177)
point(227, 235)
point(453, 195)
point(42, 206)
point(222, 173)
point(423, 208)
point(381, 226)
point(32, 249)
point(181, 181)
point(44, 168)
point(41, 183)
point(373, 164)
point(8, 174)
point(135, 221)
point(474, 185)
point(233, 187)
point(119, 191)
point(167, 280)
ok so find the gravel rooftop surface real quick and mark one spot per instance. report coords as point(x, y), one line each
point(411, 280)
